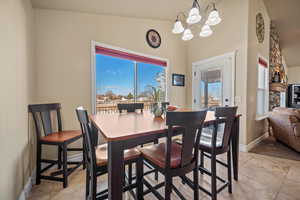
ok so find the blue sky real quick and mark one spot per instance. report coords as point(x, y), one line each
point(117, 75)
point(214, 89)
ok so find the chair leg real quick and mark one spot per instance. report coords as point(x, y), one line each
point(87, 185)
point(59, 158)
point(139, 178)
point(156, 171)
point(213, 177)
point(196, 183)
point(83, 155)
point(65, 166)
point(229, 171)
point(201, 161)
point(130, 173)
point(38, 163)
point(168, 187)
point(93, 192)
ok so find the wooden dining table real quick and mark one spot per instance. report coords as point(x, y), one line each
point(127, 130)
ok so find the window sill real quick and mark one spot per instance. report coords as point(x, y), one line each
point(261, 117)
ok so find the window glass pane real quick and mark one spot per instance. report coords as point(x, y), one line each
point(211, 89)
point(150, 78)
point(114, 82)
point(261, 77)
point(261, 102)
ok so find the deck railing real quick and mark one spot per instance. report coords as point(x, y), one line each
point(112, 108)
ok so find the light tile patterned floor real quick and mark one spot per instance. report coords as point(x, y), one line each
point(261, 178)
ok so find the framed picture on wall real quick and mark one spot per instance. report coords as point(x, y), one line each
point(177, 80)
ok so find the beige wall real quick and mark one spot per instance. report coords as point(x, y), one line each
point(16, 86)
point(63, 47)
point(294, 74)
point(255, 128)
point(230, 35)
point(237, 33)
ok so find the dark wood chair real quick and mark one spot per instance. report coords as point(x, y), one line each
point(215, 140)
point(172, 159)
point(96, 160)
point(130, 107)
point(47, 136)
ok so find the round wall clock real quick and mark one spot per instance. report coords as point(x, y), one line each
point(153, 38)
point(260, 27)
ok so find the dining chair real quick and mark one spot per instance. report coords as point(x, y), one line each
point(215, 140)
point(97, 161)
point(46, 135)
point(130, 107)
point(172, 159)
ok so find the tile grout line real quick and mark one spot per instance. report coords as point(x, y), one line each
point(281, 184)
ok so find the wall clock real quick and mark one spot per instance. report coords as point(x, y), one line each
point(260, 28)
point(153, 38)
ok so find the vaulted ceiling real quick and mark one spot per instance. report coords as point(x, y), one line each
point(286, 16)
point(152, 9)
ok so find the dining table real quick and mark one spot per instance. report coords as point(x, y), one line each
point(128, 130)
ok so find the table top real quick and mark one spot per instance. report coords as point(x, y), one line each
point(123, 126)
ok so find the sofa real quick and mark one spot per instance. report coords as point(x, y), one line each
point(285, 124)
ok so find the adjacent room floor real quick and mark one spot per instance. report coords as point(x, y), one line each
point(261, 178)
point(271, 147)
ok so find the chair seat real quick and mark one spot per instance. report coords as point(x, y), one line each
point(62, 136)
point(157, 154)
point(101, 154)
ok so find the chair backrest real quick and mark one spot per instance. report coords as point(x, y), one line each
point(225, 116)
point(130, 107)
point(190, 124)
point(89, 149)
point(42, 118)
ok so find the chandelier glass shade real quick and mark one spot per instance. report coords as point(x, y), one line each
point(210, 15)
point(178, 27)
point(206, 31)
point(194, 16)
point(187, 35)
point(214, 18)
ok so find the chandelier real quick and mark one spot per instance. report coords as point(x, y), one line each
point(194, 18)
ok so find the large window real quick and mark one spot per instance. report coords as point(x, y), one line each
point(262, 88)
point(120, 80)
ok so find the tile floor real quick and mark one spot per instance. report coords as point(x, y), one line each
point(260, 178)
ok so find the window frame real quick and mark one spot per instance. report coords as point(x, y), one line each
point(94, 44)
point(265, 89)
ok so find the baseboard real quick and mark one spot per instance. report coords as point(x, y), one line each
point(31, 180)
point(251, 145)
point(243, 148)
point(28, 186)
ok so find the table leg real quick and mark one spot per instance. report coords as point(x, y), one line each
point(115, 170)
point(235, 148)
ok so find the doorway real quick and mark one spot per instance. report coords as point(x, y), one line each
point(213, 82)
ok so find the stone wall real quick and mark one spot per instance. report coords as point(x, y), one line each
point(276, 63)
